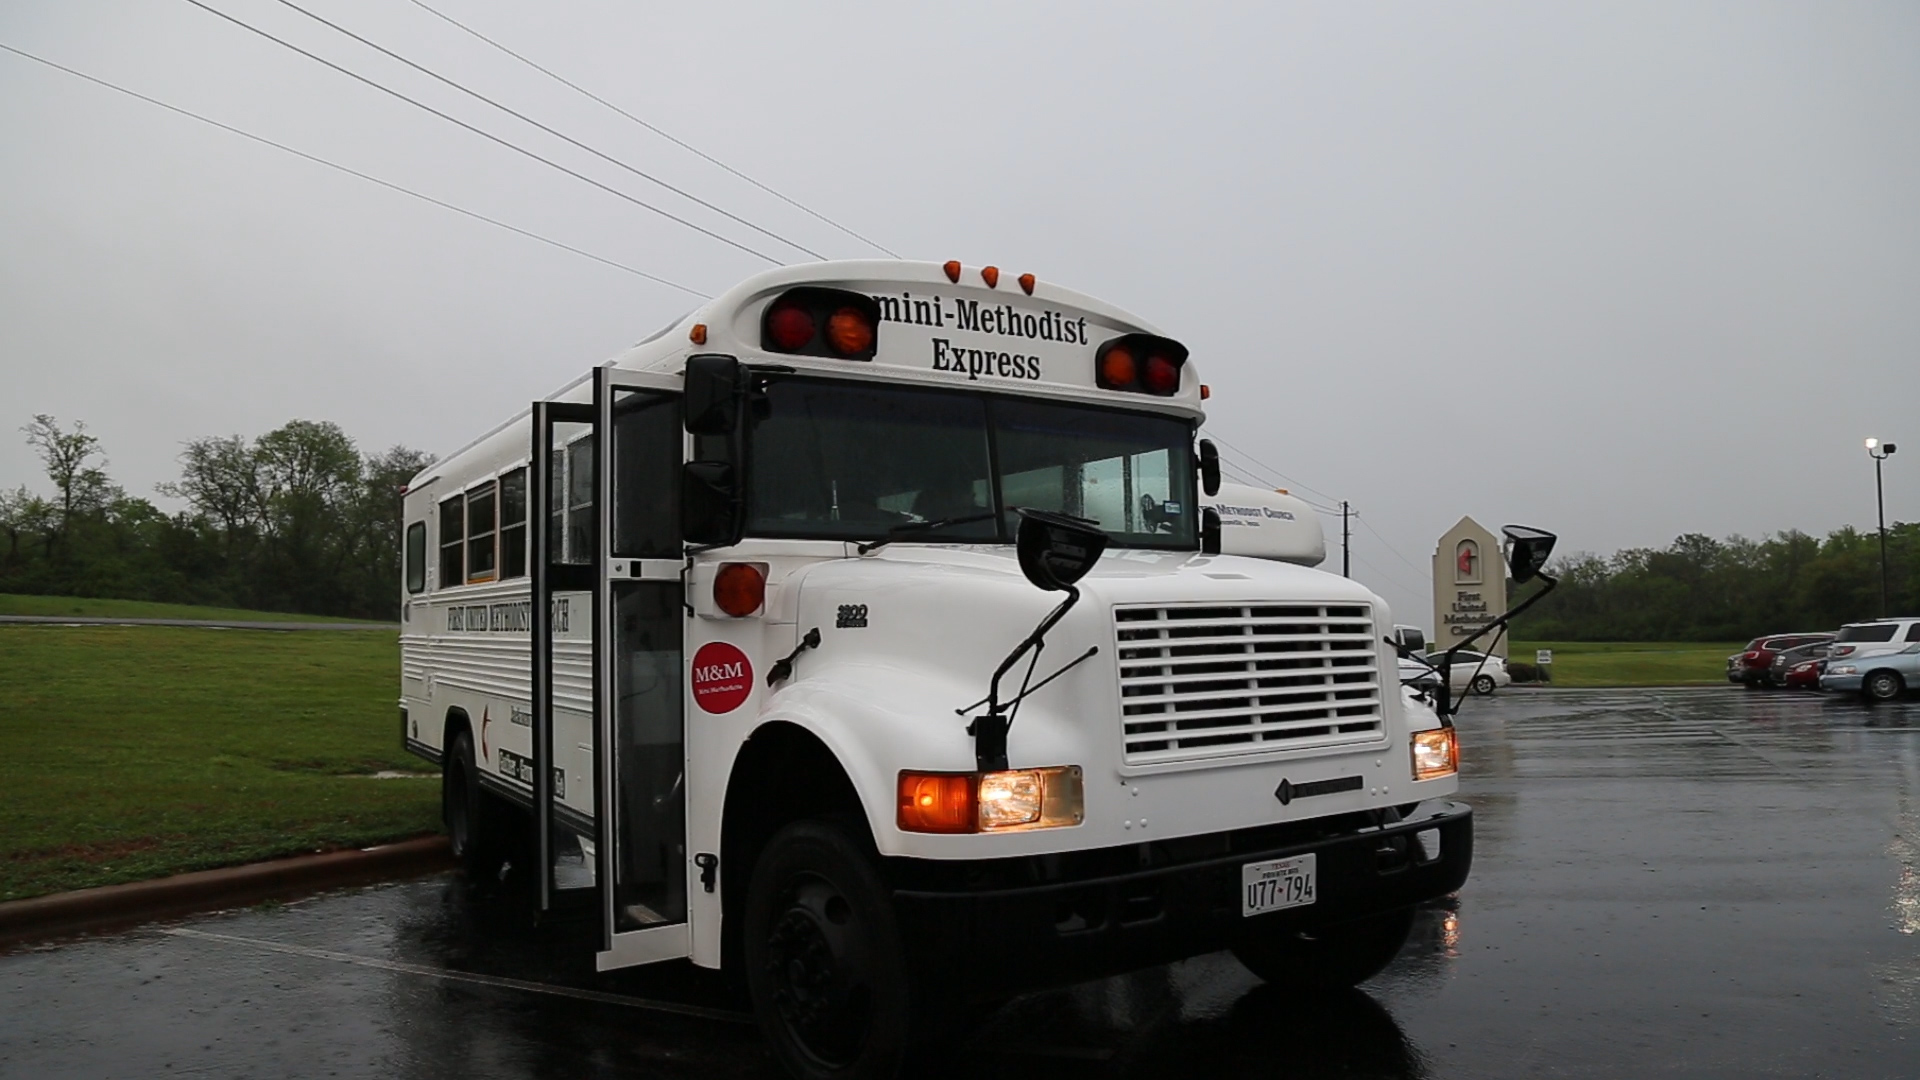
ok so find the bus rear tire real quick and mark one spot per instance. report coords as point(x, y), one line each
point(825, 964)
point(1338, 956)
point(472, 829)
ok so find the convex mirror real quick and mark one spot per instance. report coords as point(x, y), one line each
point(1527, 551)
point(1056, 550)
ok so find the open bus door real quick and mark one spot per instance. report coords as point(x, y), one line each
point(561, 528)
point(612, 565)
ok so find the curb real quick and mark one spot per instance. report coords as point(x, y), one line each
point(118, 906)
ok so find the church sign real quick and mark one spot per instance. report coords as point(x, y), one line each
point(1469, 586)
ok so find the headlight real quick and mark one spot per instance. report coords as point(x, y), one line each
point(1435, 754)
point(1844, 669)
point(1006, 801)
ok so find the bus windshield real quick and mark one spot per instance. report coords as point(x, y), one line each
point(849, 461)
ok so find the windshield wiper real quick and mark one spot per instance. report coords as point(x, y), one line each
point(909, 527)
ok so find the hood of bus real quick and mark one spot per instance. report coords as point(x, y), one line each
point(918, 630)
point(1124, 576)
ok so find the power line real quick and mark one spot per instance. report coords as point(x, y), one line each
point(477, 96)
point(1383, 575)
point(1291, 482)
point(1428, 573)
point(1246, 471)
point(483, 134)
point(690, 148)
point(389, 185)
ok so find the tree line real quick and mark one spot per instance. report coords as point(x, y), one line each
point(296, 520)
point(1702, 589)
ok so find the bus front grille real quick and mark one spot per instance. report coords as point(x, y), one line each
point(1213, 681)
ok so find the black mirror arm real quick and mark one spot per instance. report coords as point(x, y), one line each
point(989, 729)
point(1035, 641)
point(1447, 707)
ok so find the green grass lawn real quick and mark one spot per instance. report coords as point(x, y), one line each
point(1633, 663)
point(137, 751)
point(15, 604)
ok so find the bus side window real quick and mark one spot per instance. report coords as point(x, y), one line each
point(513, 524)
point(453, 514)
point(582, 526)
point(481, 554)
point(416, 557)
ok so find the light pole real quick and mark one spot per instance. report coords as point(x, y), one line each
point(1880, 452)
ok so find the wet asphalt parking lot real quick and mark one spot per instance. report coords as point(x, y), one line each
point(1668, 883)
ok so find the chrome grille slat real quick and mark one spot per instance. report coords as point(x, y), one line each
point(1213, 681)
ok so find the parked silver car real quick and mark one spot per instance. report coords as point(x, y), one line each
point(1879, 660)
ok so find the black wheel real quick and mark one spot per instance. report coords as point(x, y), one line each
point(1483, 684)
point(825, 965)
point(1881, 686)
point(1345, 954)
point(471, 828)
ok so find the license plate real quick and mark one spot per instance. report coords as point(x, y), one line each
point(1276, 885)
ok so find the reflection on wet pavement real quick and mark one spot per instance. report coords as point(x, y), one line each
point(1673, 883)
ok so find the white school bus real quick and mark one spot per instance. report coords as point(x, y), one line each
point(863, 632)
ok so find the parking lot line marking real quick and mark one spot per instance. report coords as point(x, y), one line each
point(448, 975)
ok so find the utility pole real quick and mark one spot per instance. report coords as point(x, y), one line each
point(1346, 561)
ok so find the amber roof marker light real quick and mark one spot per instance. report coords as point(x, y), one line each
point(1026, 283)
point(990, 275)
point(953, 270)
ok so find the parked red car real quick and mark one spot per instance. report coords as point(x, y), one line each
point(1804, 675)
point(1750, 665)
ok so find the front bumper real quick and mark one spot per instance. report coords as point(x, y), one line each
point(1013, 924)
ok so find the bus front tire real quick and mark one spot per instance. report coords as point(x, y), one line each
point(825, 963)
point(1338, 956)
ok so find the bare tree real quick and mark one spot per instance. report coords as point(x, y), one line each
point(77, 467)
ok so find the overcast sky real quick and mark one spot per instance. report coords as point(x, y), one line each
point(1621, 272)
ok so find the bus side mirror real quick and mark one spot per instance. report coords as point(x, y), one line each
point(1209, 467)
point(1209, 531)
point(1527, 551)
point(1056, 550)
point(710, 507)
point(713, 394)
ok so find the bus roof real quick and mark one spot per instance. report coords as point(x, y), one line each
point(940, 325)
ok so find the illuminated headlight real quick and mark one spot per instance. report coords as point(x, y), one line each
point(1007, 801)
point(1844, 669)
point(1435, 754)
point(1010, 798)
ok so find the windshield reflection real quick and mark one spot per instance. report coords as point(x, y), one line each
point(851, 461)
